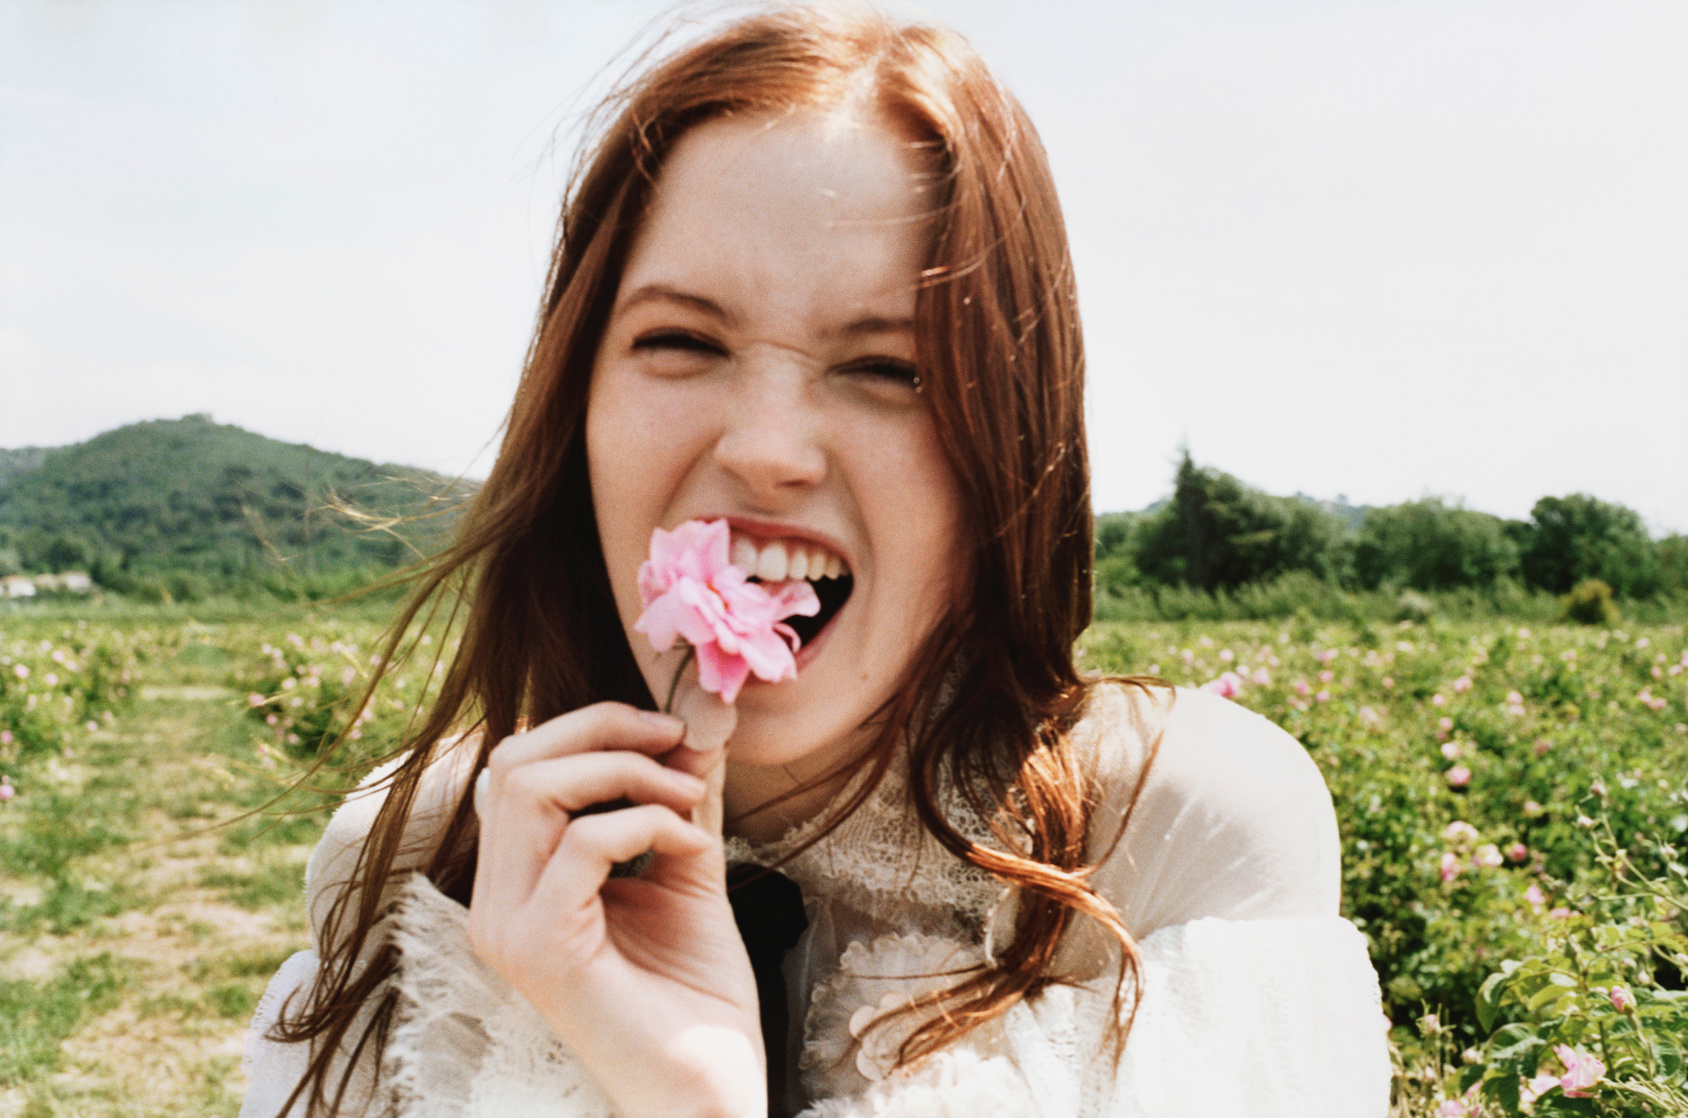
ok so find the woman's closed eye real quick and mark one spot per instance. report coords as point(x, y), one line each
point(890, 372)
point(679, 341)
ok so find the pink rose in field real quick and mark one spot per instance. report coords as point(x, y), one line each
point(1387, 683)
point(1536, 1088)
point(1438, 699)
point(1326, 656)
point(1487, 856)
point(1228, 686)
point(1322, 697)
point(1462, 685)
point(1517, 852)
point(1302, 688)
point(6, 789)
point(1453, 1108)
point(1451, 866)
point(1458, 776)
point(1582, 1071)
point(692, 592)
point(1444, 723)
point(1326, 676)
point(1535, 897)
point(1542, 746)
point(1262, 677)
point(1622, 1000)
point(1460, 832)
point(1451, 750)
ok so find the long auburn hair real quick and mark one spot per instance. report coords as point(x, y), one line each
point(994, 691)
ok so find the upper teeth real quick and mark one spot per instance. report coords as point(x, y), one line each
point(779, 560)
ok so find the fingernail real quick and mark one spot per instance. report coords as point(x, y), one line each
point(666, 723)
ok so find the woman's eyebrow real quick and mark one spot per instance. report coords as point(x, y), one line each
point(662, 293)
point(875, 324)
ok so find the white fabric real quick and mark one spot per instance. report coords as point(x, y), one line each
point(1257, 998)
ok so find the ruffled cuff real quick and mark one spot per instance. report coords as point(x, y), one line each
point(467, 1045)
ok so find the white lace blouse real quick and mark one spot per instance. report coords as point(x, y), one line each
point(1257, 998)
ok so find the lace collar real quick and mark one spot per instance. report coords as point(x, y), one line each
point(880, 858)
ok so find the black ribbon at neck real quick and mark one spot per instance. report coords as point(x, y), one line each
point(768, 909)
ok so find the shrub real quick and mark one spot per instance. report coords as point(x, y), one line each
point(1589, 603)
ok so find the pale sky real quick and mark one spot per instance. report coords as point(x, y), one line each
point(1365, 247)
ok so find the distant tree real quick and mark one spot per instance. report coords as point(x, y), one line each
point(1428, 545)
point(1673, 565)
point(1575, 538)
point(1218, 533)
point(11, 563)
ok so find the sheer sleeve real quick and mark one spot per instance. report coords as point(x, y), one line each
point(274, 1067)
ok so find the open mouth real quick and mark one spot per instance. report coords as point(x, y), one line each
point(785, 560)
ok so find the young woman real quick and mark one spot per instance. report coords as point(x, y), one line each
point(812, 281)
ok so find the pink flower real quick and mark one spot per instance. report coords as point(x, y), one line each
point(1451, 866)
point(1387, 682)
point(1542, 746)
point(1582, 1071)
point(6, 789)
point(1622, 1000)
point(1262, 677)
point(1487, 856)
point(1459, 831)
point(1227, 686)
point(1326, 676)
point(1445, 723)
point(692, 592)
point(1535, 897)
point(1302, 688)
point(1462, 684)
point(1322, 697)
point(1537, 1087)
point(1438, 699)
point(1451, 750)
point(1452, 1108)
point(1458, 776)
point(1517, 852)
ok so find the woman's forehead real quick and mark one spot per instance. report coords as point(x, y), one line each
point(797, 212)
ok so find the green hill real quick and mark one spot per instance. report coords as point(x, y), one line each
point(186, 506)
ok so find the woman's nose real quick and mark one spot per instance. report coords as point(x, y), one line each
point(770, 441)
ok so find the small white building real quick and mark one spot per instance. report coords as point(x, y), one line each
point(76, 582)
point(17, 586)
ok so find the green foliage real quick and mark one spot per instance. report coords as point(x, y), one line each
point(1218, 533)
point(1589, 603)
point(1605, 985)
point(1217, 540)
point(175, 510)
point(1576, 538)
point(1428, 545)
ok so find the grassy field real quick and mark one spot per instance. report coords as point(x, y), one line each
point(142, 909)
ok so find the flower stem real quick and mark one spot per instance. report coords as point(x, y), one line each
point(668, 704)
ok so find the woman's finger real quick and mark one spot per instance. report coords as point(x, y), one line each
point(571, 784)
point(525, 816)
point(594, 843)
point(595, 727)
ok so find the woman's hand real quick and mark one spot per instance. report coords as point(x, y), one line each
point(644, 979)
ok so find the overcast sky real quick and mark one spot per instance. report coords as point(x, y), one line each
point(1366, 247)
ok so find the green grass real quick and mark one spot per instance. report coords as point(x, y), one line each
point(35, 1017)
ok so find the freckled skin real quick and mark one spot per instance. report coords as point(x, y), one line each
point(750, 370)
